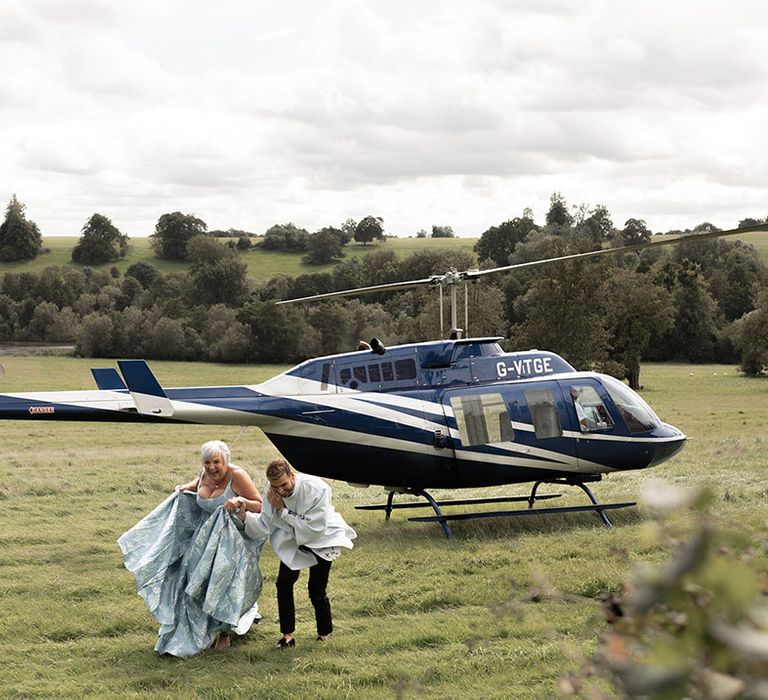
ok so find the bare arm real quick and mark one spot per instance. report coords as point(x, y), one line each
point(191, 486)
point(246, 490)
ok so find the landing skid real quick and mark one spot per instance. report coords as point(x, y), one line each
point(443, 518)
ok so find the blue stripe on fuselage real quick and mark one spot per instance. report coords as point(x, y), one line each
point(357, 463)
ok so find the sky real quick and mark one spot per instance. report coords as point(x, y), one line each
point(248, 113)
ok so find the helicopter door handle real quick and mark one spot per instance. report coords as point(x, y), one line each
point(440, 441)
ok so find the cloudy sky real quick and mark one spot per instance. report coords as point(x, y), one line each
point(249, 113)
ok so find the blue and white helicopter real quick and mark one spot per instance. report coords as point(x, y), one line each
point(455, 413)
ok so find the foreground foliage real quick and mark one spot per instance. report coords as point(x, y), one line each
point(694, 627)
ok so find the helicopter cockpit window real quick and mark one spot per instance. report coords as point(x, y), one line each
point(590, 409)
point(637, 414)
point(546, 421)
point(405, 369)
point(482, 419)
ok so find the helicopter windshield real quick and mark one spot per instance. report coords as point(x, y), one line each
point(637, 414)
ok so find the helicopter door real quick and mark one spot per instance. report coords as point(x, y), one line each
point(483, 437)
point(539, 416)
point(589, 421)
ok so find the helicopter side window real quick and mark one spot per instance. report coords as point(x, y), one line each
point(345, 375)
point(386, 372)
point(590, 409)
point(360, 373)
point(546, 421)
point(374, 372)
point(405, 369)
point(464, 351)
point(482, 419)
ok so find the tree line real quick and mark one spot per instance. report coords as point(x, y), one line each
point(101, 242)
point(704, 301)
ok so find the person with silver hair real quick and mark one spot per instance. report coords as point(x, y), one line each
point(219, 480)
point(194, 566)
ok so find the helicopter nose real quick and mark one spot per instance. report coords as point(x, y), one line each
point(672, 443)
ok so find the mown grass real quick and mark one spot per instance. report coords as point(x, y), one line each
point(416, 615)
point(262, 264)
point(757, 239)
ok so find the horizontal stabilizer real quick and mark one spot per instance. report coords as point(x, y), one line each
point(147, 394)
point(107, 378)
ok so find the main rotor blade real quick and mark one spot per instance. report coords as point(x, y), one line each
point(452, 277)
point(390, 287)
point(474, 274)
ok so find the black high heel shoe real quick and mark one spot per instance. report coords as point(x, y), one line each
point(284, 643)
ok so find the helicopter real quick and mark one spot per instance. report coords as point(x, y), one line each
point(453, 413)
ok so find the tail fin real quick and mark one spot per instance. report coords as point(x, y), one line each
point(147, 394)
point(108, 378)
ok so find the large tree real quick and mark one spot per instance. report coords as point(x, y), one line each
point(599, 223)
point(499, 242)
point(286, 237)
point(348, 228)
point(173, 232)
point(635, 231)
point(563, 312)
point(736, 281)
point(636, 310)
point(369, 228)
point(750, 221)
point(324, 247)
point(751, 336)
point(443, 232)
point(100, 242)
point(217, 274)
point(280, 333)
point(692, 336)
point(20, 238)
point(558, 214)
point(144, 271)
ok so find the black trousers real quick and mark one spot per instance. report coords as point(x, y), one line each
point(318, 582)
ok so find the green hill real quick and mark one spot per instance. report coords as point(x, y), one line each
point(261, 264)
point(265, 264)
point(759, 239)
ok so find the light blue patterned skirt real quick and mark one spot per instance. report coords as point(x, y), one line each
point(196, 571)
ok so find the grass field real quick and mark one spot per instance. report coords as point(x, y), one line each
point(262, 265)
point(416, 615)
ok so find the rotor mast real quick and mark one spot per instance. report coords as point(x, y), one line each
point(452, 279)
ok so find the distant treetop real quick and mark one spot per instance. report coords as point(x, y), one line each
point(20, 238)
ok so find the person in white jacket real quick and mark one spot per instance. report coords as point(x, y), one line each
point(305, 531)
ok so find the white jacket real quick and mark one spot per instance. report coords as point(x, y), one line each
point(308, 520)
